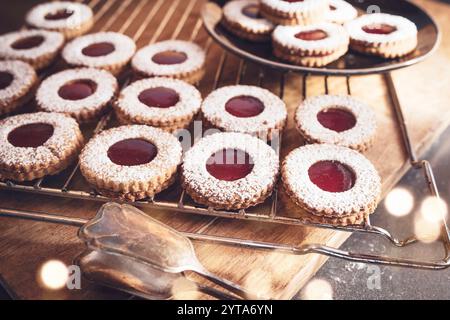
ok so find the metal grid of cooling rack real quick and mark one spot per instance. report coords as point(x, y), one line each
point(179, 203)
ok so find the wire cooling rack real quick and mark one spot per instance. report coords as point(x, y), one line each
point(175, 199)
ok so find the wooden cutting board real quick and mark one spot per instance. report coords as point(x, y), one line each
point(423, 92)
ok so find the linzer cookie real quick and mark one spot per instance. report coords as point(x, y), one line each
point(172, 58)
point(341, 12)
point(311, 46)
point(245, 109)
point(339, 120)
point(17, 83)
point(242, 18)
point(334, 183)
point(169, 104)
point(384, 35)
point(110, 51)
point(230, 171)
point(37, 144)
point(83, 94)
point(37, 47)
point(295, 12)
point(131, 162)
point(70, 18)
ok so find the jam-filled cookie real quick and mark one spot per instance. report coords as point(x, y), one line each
point(37, 144)
point(70, 18)
point(335, 184)
point(37, 47)
point(169, 104)
point(341, 12)
point(172, 58)
point(84, 93)
point(383, 35)
point(242, 18)
point(110, 51)
point(17, 83)
point(230, 171)
point(245, 109)
point(311, 46)
point(340, 120)
point(294, 12)
point(131, 162)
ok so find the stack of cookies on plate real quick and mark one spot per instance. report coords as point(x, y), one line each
point(315, 33)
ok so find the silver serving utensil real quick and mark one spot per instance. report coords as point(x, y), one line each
point(138, 279)
point(127, 231)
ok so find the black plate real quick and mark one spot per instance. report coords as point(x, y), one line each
point(352, 63)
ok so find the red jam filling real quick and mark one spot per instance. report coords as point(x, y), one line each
point(59, 15)
point(332, 176)
point(77, 90)
point(251, 11)
point(31, 135)
point(159, 97)
point(244, 106)
point(313, 35)
point(99, 49)
point(28, 43)
point(132, 152)
point(379, 28)
point(169, 57)
point(6, 79)
point(229, 164)
point(336, 119)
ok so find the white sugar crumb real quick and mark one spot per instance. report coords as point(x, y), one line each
point(48, 98)
point(233, 13)
point(273, 115)
point(94, 158)
point(81, 13)
point(143, 62)
point(405, 28)
point(189, 100)
point(66, 133)
point(343, 12)
point(265, 170)
point(362, 133)
point(364, 193)
point(337, 37)
point(303, 7)
point(53, 41)
point(24, 78)
point(124, 50)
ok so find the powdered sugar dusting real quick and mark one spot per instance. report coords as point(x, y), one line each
point(94, 158)
point(296, 7)
point(233, 13)
point(188, 105)
point(405, 28)
point(53, 41)
point(66, 134)
point(24, 78)
point(343, 12)
point(81, 13)
point(265, 170)
point(365, 192)
point(124, 50)
point(48, 98)
point(360, 134)
point(143, 62)
point(337, 37)
point(274, 113)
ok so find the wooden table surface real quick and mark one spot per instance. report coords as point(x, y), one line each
point(424, 94)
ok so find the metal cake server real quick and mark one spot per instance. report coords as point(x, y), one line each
point(138, 279)
point(126, 231)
